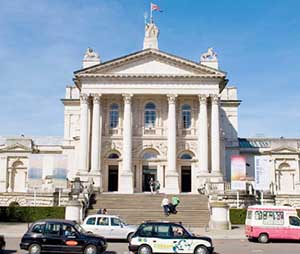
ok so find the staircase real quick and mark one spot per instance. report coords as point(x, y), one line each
point(136, 208)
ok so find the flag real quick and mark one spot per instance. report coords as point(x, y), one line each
point(155, 7)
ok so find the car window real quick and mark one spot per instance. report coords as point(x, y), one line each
point(68, 230)
point(91, 221)
point(103, 221)
point(163, 231)
point(179, 232)
point(294, 221)
point(38, 228)
point(145, 231)
point(53, 229)
point(115, 222)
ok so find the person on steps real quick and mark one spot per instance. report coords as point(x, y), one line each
point(165, 205)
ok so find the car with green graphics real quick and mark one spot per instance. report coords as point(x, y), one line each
point(168, 237)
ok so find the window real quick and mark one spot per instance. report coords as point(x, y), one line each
point(114, 116)
point(163, 231)
point(68, 230)
point(179, 232)
point(113, 156)
point(52, 229)
point(91, 221)
point(294, 221)
point(150, 115)
point(115, 222)
point(258, 215)
point(273, 218)
point(249, 215)
point(149, 156)
point(146, 231)
point(186, 116)
point(38, 228)
point(186, 156)
point(103, 221)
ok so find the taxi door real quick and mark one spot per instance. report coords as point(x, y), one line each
point(117, 230)
point(103, 226)
point(162, 241)
point(181, 241)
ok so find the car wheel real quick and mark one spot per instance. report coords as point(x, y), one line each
point(34, 249)
point(201, 250)
point(130, 235)
point(144, 249)
point(90, 249)
point(263, 238)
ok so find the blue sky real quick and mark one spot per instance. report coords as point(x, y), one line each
point(43, 42)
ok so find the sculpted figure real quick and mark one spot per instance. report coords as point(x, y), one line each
point(90, 53)
point(209, 55)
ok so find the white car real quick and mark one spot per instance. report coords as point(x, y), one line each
point(109, 226)
point(168, 237)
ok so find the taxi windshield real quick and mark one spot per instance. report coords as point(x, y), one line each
point(188, 231)
point(79, 228)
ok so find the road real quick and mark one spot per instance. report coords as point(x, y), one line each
point(221, 247)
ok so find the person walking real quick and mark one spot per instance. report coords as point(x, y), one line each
point(157, 186)
point(151, 184)
point(165, 205)
point(174, 204)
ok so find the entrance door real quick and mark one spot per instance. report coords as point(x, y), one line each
point(113, 177)
point(186, 179)
point(148, 173)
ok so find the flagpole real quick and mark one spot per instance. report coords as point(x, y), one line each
point(151, 16)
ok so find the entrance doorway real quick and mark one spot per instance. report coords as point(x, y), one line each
point(113, 177)
point(186, 179)
point(148, 173)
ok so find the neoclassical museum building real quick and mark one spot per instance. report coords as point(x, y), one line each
point(149, 114)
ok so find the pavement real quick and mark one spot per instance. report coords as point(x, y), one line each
point(12, 230)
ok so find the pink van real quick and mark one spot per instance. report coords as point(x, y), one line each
point(272, 222)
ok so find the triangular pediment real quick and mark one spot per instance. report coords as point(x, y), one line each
point(16, 148)
point(150, 62)
point(284, 149)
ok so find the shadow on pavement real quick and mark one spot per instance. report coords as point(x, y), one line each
point(8, 251)
point(110, 252)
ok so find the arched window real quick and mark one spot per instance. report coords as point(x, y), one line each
point(113, 156)
point(114, 116)
point(150, 115)
point(149, 156)
point(186, 156)
point(186, 116)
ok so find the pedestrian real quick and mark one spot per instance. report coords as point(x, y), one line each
point(165, 205)
point(151, 184)
point(157, 186)
point(175, 202)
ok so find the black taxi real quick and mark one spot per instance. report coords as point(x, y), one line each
point(61, 236)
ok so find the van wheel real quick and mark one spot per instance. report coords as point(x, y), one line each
point(201, 250)
point(263, 238)
point(34, 249)
point(130, 235)
point(144, 249)
point(90, 249)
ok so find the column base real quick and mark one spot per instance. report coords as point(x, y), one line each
point(172, 183)
point(126, 183)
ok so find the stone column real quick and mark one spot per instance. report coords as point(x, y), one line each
point(172, 184)
point(215, 136)
point(126, 175)
point(83, 152)
point(3, 174)
point(96, 141)
point(9, 188)
point(203, 136)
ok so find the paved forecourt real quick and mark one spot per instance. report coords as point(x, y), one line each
point(221, 247)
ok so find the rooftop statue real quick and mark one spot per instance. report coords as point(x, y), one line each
point(210, 55)
point(151, 31)
point(90, 53)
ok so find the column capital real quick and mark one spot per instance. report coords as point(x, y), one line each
point(202, 98)
point(171, 98)
point(84, 98)
point(215, 99)
point(127, 98)
point(96, 98)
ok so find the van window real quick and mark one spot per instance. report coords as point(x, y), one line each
point(258, 215)
point(294, 221)
point(249, 215)
point(91, 221)
point(273, 218)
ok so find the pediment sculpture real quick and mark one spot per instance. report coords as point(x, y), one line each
point(210, 55)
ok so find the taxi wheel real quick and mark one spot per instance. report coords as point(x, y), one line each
point(34, 249)
point(90, 249)
point(201, 250)
point(263, 238)
point(144, 249)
